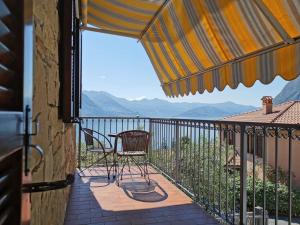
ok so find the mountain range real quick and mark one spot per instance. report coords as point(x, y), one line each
point(100, 103)
point(290, 92)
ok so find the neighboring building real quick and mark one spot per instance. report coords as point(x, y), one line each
point(285, 113)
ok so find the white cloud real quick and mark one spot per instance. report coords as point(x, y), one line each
point(101, 76)
point(136, 99)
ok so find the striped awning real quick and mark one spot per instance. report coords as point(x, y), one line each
point(201, 45)
point(123, 17)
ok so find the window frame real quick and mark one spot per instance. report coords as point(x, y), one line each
point(259, 143)
point(70, 61)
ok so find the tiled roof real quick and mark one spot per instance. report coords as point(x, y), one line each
point(288, 112)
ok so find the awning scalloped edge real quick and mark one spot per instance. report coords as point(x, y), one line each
point(283, 62)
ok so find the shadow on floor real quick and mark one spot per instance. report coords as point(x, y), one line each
point(98, 201)
point(144, 192)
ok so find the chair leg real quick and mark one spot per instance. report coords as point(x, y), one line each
point(128, 164)
point(106, 164)
point(118, 170)
point(138, 166)
point(98, 160)
point(123, 165)
point(113, 167)
point(115, 164)
point(146, 169)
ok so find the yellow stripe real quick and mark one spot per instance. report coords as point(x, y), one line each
point(84, 11)
point(285, 61)
point(194, 84)
point(281, 13)
point(123, 11)
point(208, 81)
point(205, 23)
point(96, 23)
point(151, 6)
point(169, 49)
point(235, 22)
point(191, 36)
point(113, 20)
point(176, 42)
point(156, 64)
point(174, 89)
point(286, 64)
point(164, 61)
point(249, 71)
point(202, 7)
point(167, 90)
point(183, 89)
point(223, 76)
point(274, 33)
point(229, 78)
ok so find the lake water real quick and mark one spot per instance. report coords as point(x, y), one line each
point(162, 133)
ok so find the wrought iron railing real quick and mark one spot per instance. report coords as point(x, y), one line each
point(106, 126)
point(244, 173)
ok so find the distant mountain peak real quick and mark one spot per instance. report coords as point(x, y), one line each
point(111, 105)
point(290, 92)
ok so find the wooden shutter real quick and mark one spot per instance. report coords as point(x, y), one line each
point(70, 59)
point(10, 188)
point(11, 109)
point(11, 55)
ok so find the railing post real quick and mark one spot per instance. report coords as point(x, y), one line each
point(177, 157)
point(79, 145)
point(243, 177)
point(150, 141)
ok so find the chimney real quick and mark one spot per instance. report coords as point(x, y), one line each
point(267, 102)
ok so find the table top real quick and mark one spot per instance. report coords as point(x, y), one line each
point(112, 135)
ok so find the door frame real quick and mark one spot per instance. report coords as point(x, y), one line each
point(12, 128)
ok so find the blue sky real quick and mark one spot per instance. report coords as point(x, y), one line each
point(120, 66)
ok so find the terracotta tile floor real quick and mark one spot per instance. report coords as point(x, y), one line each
point(96, 201)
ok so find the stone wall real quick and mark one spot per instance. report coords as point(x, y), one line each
point(56, 138)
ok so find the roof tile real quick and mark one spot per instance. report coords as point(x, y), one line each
point(288, 112)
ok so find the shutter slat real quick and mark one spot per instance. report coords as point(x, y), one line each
point(10, 187)
point(10, 23)
point(4, 11)
point(3, 28)
point(6, 97)
point(3, 200)
point(7, 77)
point(11, 54)
point(4, 216)
point(3, 180)
point(11, 5)
point(7, 57)
point(9, 40)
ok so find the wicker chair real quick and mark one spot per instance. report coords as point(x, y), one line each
point(95, 146)
point(134, 144)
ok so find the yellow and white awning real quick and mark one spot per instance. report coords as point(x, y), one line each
point(127, 17)
point(198, 45)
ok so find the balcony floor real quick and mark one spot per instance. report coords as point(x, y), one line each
point(96, 201)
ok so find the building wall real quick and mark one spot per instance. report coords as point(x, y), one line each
point(283, 156)
point(56, 138)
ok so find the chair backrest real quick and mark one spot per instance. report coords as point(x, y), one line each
point(88, 136)
point(134, 140)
